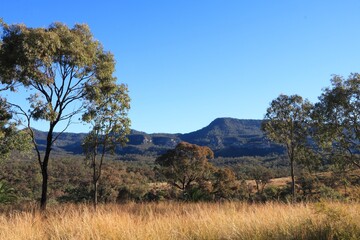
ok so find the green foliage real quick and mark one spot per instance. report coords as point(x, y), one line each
point(336, 119)
point(287, 121)
point(6, 129)
point(57, 64)
point(7, 193)
point(272, 193)
point(10, 138)
point(107, 112)
point(261, 175)
point(225, 185)
point(78, 194)
point(187, 168)
point(185, 165)
point(197, 193)
point(132, 193)
point(329, 193)
point(62, 69)
point(110, 125)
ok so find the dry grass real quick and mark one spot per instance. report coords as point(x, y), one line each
point(187, 221)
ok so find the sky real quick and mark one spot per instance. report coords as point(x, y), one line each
point(187, 62)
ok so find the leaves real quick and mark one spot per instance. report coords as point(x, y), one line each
point(185, 164)
point(7, 194)
point(337, 119)
point(63, 69)
point(59, 63)
point(287, 121)
point(106, 110)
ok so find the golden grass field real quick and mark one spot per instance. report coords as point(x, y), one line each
point(231, 220)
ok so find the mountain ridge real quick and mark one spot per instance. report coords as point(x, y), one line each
point(227, 137)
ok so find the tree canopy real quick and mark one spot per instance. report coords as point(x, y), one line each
point(337, 119)
point(185, 164)
point(62, 69)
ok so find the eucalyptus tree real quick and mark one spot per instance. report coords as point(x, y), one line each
point(185, 165)
point(55, 68)
point(225, 184)
point(336, 120)
point(287, 122)
point(107, 113)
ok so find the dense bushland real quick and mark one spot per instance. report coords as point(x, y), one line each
point(70, 182)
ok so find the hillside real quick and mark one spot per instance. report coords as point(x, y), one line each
point(227, 137)
point(230, 137)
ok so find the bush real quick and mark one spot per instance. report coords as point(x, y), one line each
point(329, 193)
point(7, 193)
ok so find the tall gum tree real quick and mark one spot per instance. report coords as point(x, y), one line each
point(60, 68)
point(287, 122)
point(336, 119)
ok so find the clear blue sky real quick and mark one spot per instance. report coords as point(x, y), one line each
point(187, 62)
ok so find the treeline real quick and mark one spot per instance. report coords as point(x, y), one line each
point(122, 181)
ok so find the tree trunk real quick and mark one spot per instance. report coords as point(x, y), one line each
point(95, 194)
point(293, 195)
point(95, 185)
point(44, 186)
point(44, 169)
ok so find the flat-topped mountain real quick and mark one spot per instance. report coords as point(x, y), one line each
point(227, 137)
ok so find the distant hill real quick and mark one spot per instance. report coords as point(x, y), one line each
point(227, 137)
point(230, 137)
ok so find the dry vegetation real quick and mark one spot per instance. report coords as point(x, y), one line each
point(187, 221)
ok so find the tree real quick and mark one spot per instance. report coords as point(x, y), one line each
point(60, 68)
point(287, 122)
point(185, 165)
point(225, 184)
point(262, 176)
point(107, 113)
point(336, 119)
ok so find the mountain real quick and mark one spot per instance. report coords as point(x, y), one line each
point(227, 137)
point(230, 137)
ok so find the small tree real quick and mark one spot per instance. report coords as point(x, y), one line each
point(225, 184)
point(262, 176)
point(59, 68)
point(185, 165)
point(287, 122)
point(107, 113)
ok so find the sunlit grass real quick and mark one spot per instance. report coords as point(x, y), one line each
point(187, 221)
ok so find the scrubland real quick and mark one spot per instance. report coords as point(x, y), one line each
point(174, 220)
